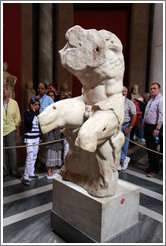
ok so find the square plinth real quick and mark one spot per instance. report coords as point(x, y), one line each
point(99, 219)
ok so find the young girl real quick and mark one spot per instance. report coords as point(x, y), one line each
point(32, 136)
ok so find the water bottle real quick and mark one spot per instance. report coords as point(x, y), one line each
point(157, 139)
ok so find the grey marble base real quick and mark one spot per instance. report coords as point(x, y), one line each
point(76, 214)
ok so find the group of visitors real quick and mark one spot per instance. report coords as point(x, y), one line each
point(149, 118)
point(145, 115)
point(32, 134)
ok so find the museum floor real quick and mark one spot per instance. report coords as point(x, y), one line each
point(26, 209)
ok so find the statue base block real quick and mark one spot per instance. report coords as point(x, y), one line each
point(81, 218)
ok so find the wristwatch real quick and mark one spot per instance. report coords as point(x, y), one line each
point(130, 127)
point(157, 129)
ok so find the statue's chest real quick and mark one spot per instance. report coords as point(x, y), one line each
point(94, 95)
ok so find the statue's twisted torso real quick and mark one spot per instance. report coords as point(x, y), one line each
point(92, 121)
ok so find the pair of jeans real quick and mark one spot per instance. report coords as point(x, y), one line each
point(141, 131)
point(125, 147)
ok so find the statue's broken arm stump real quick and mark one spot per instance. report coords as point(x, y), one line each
point(79, 217)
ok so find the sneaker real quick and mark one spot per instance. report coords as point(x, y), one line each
point(50, 177)
point(25, 182)
point(125, 163)
point(55, 175)
point(119, 168)
point(142, 140)
point(151, 175)
point(34, 177)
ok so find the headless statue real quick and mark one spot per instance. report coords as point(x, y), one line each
point(29, 93)
point(9, 80)
point(93, 120)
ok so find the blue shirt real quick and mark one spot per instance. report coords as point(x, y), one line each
point(45, 101)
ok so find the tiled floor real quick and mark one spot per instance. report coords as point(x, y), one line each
point(26, 210)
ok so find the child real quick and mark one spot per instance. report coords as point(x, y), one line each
point(54, 150)
point(32, 136)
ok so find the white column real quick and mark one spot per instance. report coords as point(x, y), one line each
point(156, 68)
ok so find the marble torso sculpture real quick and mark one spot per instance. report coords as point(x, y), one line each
point(9, 80)
point(92, 121)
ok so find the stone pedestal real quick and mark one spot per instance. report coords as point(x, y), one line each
point(80, 218)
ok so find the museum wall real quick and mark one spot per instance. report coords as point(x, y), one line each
point(12, 43)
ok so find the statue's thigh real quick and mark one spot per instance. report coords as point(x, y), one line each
point(100, 126)
point(101, 122)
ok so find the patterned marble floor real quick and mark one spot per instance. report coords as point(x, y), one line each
point(26, 210)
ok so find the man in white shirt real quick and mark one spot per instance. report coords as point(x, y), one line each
point(128, 123)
